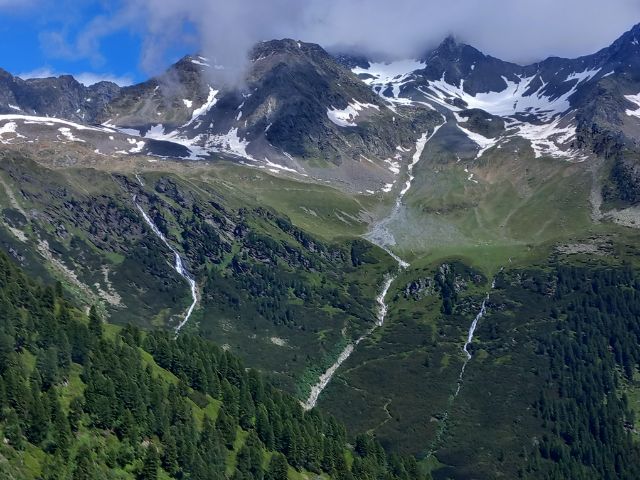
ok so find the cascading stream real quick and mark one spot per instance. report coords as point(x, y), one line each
point(381, 236)
point(178, 266)
point(380, 233)
point(326, 377)
point(465, 349)
point(472, 331)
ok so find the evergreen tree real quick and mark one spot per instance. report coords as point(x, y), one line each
point(226, 426)
point(95, 323)
point(123, 400)
point(54, 468)
point(278, 468)
point(13, 430)
point(84, 464)
point(150, 465)
point(170, 455)
point(75, 413)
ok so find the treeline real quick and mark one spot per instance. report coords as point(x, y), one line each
point(592, 354)
point(80, 401)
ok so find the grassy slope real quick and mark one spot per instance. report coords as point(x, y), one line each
point(518, 202)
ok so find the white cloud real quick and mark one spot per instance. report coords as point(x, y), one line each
point(90, 78)
point(86, 78)
point(515, 30)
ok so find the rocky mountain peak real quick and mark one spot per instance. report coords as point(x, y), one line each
point(286, 46)
point(628, 40)
point(449, 45)
point(454, 51)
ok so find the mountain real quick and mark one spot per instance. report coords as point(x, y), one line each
point(565, 108)
point(303, 113)
point(298, 107)
point(299, 112)
point(432, 250)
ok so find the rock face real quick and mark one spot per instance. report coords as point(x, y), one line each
point(167, 99)
point(61, 97)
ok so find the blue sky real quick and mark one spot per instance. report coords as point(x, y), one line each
point(43, 38)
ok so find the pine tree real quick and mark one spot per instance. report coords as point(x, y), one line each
point(278, 468)
point(64, 352)
point(150, 465)
point(61, 431)
point(246, 408)
point(13, 430)
point(54, 468)
point(227, 427)
point(47, 363)
point(84, 464)
point(7, 345)
point(37, 418)
point(263, 428)
point(170, 455)
point(75, 413)
point(95, 323)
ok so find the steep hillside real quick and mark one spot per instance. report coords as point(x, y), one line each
point(84, 399)
point(284, 298)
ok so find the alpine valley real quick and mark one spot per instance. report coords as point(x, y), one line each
point(342, 268)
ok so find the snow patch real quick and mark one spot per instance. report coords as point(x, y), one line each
point(382, 76)
point(483, 142)
point(394, 165)
point(66, 133)
point(200, 62)
point(138, 146)
point(583, 76)
point(206, 106)
point(129, 131)
point(229, 142)
point(9, 128)
point(508, 102)
point(549, 139)
point(278, 167)
point(49, 121)
point(347, 116)
point(635, 99)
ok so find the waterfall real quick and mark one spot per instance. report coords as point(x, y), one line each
point(178, 266)
point(472, 331)
point(326, 377)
